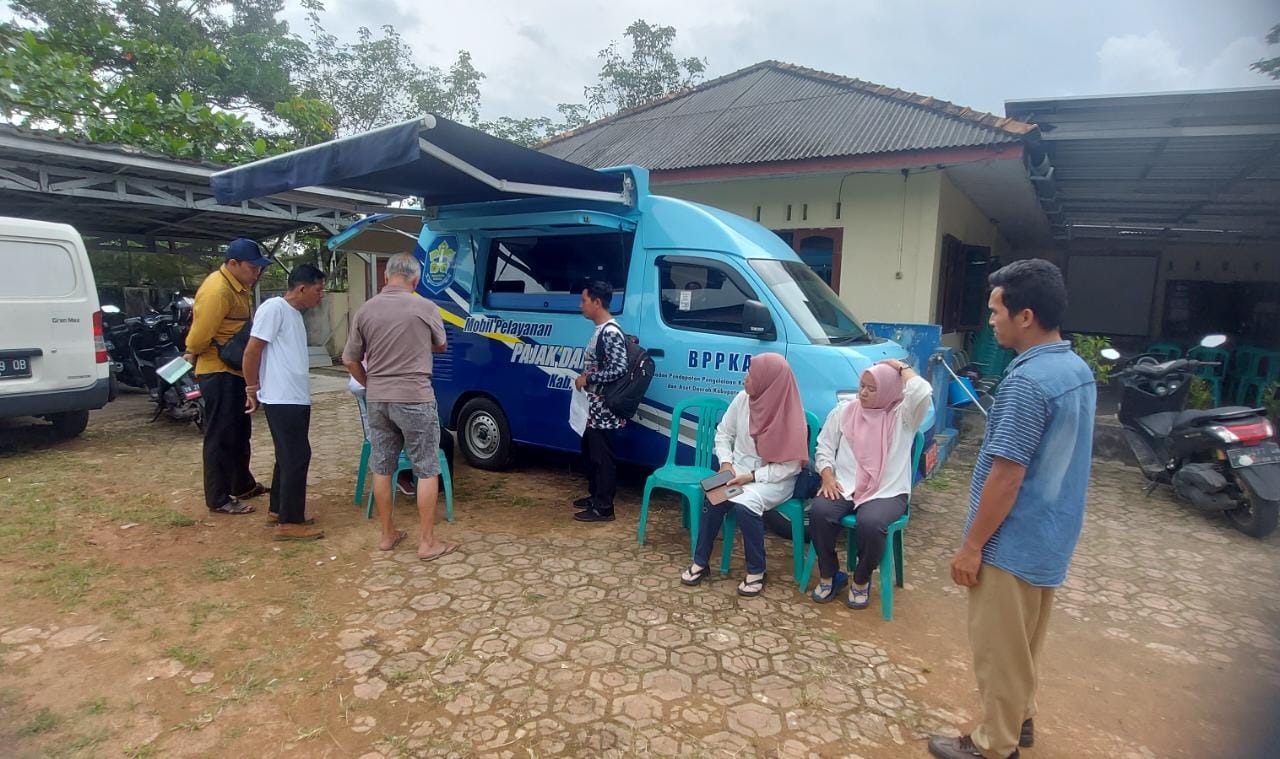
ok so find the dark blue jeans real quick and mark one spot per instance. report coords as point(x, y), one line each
point(749, 523)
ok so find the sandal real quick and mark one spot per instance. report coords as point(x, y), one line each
point(859, 598)
point(448, 549)
point(255, 491)
point(400, 535)
point(751, 588)
point(233, 507)
point(692, 578)
point(832, 588)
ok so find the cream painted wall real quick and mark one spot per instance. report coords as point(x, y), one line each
point(890, 240)
point(893, 229)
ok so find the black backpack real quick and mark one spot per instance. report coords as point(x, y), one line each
point(622, 396)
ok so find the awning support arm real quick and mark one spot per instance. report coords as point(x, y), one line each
point(525, 188)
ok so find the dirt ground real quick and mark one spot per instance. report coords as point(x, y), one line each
point(133, 623)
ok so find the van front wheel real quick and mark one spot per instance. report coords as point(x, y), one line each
point(484, 435)
point(69, 424)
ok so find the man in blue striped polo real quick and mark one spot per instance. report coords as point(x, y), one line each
point(1026, 505)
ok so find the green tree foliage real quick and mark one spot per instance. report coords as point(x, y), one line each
point(634, 72)
point(376, 81)
point(1270, 66)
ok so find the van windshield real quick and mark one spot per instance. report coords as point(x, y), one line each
point(809, 300)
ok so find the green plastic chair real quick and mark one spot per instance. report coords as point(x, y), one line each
point(1166, 351)
point(1214, 375)
point(792, 509)
point(686, 479)
point(989, 358)
point(892, 562)
point(1265, 369)
point(402, 465)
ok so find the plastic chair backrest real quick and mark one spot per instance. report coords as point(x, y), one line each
point(709, 410)
point(1210, 354)
point(364, 415)
point(815, 429)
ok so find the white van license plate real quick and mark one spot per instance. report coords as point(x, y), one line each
point(14, 368)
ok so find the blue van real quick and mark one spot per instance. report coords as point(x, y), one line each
point(702, 289)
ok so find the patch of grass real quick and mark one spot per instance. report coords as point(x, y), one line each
point(534, 598)
point(8, 696)
point(81, 745)
point(942, 481)
point(218, 570)
point(65, 582)
point(175, 519)
point(205, 611)
point(443, 694)
point(192, 657)
point(141, 751)
point(398, 678)
point(93, 707)
point(45, 721)
point(306, 734)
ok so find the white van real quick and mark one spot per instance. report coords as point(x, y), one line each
point(53, 359)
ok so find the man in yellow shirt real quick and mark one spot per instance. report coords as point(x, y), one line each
point(224, 305)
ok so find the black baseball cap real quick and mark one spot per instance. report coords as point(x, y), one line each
point(244, 249)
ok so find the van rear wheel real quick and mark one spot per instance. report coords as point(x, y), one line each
point(484, 435)
point(69, 424)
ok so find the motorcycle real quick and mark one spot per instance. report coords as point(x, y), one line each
point(138, 346)
point(1221, 460)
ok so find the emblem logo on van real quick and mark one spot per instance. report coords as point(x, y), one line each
point(439, 264)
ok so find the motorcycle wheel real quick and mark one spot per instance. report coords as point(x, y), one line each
point(1256, 517)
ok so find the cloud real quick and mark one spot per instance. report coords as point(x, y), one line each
point(1150, 63)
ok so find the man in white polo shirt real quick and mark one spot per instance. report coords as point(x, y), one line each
point(277, 375)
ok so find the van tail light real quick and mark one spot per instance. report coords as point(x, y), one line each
point(99, 342)
point(1245, 434)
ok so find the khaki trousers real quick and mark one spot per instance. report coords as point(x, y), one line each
point(1008, 618)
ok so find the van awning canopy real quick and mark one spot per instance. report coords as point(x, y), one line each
point(433, 158)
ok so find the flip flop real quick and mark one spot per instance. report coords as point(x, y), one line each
point(400, 535)
point(257, 490)
point(448, 549)
point(837, 584)
point(234, 507)
point(759, 584)
point(694, 578)
point(274, 519)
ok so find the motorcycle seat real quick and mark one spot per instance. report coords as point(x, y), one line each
point(1164, 423)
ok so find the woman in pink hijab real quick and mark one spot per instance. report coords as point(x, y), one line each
point(763, 441)
point(864, 457)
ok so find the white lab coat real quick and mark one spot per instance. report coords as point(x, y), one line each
point(774, 483)
point(836, 452)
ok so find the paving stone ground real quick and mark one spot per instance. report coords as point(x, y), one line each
point(542, 637)
point(572, 641)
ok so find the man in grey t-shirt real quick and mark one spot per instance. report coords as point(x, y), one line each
point(389, 352)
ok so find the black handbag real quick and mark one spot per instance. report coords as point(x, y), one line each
point(807, 483)
point(232, 351)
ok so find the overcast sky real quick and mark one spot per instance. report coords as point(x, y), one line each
point(537, 53)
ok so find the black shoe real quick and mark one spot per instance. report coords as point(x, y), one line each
point(594, 515)
point(947, 747)
point(1028, 737)
point(584, 503)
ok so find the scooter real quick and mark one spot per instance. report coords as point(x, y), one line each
point(1223, 460)
point(137, 347)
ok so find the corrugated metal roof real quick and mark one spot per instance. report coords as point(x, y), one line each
point(779, 112)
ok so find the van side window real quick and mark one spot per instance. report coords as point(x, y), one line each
point(699, 294)
point(549, 273)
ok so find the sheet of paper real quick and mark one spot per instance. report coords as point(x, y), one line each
point(578, 407)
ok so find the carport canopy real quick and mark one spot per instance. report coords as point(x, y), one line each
point(123, 199)
point(1193, 166)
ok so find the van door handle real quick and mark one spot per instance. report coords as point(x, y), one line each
point(656, 353)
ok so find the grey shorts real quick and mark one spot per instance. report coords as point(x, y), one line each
point(411, 427)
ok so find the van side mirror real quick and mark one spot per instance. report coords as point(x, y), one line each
point(1213, 341)
point(757, 321)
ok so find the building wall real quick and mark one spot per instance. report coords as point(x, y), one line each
point(892, 229)
point(1194, 262)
